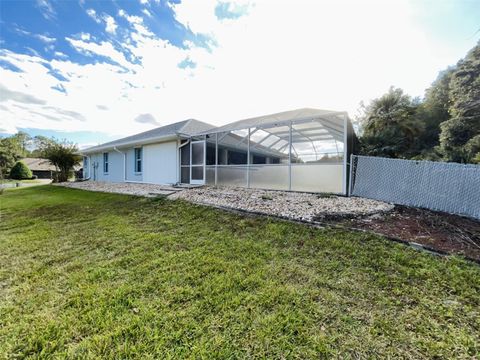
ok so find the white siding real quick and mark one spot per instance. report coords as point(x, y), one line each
point(160, 163)
point(115, 167)
point(131, 174)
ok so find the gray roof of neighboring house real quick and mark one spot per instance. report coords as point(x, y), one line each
point(38, 164)
point(186, 127)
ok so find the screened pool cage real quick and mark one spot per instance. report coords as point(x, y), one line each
point(300, 151)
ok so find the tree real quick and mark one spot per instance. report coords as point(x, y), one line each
point(63, 155)
point(10, 152)
point(434, 110)
point(472, 149)
point(20, 171)
point(39, 143)
point(464, 109)
point(390, 125)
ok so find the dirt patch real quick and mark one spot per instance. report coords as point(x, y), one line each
point(440, 231)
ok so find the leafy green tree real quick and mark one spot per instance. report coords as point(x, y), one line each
point(390, 125)
point(24, 141)
point(433, 111)
point(472, 149)
point(10, 152)
point(39, 143)
point(20, 171)
point(464, 97)
point(63, 155)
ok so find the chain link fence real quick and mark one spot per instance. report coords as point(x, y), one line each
point(449, 187)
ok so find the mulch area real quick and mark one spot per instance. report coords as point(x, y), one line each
point(443, 232)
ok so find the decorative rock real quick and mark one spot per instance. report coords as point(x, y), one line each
point(287, 204)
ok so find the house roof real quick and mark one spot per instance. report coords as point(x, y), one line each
point(38, 164)
point(329, 125)
point(186, 128)
point(335, 117)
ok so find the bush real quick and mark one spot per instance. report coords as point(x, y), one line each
point(63, 156)
point(20, 171)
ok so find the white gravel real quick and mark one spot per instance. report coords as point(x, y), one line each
point(138, 189)
point(292, 205)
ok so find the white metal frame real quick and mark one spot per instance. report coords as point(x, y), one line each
point(331, 132)
point(197, 181)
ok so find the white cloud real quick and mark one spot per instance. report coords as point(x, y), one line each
point(146, 12)
point(60, 54)
point(104, 48)
point(277, 57)
point(93, 14)
point(45, 38)
point(46, 9)
point(85, 36)
point(110, 25)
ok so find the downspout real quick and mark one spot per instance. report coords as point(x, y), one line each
point(124, 163)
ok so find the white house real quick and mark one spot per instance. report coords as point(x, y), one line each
point(299, 150)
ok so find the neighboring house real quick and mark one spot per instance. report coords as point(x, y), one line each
point(42, 168)
point(299, 150)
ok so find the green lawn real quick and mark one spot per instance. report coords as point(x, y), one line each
point(13, 181)
point(93, 275)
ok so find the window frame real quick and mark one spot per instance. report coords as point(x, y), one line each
point(136, 160)
point(106, 162)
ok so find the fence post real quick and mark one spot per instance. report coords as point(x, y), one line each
point(350, 181)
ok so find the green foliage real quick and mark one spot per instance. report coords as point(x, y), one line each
point(389, 125)
point(464, 125)
point(12, 148)
point(97, 275)
point(472, 149)
point(443, 126)
point(39, 143)
point(433, 111)
point(63, 155)
point(20, 171)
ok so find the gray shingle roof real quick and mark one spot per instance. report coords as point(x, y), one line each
point(38, 164)
point(186, 127)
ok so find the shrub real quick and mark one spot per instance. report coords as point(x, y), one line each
point(20, 171)
point(63, 156)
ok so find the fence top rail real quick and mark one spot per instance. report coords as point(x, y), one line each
point(475, 166)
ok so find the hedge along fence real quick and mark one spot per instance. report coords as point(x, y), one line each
point(448, 187)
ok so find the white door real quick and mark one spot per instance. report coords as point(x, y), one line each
point(197, 162)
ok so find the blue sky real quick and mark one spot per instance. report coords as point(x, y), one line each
point(93, 71)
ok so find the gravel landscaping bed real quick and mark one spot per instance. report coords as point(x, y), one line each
point(293, 205)
point(138, 189)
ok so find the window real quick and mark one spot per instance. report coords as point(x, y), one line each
point(138, 160)
point(105, 163)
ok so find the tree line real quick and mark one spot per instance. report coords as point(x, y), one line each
point(444, 126)
point(62, 154)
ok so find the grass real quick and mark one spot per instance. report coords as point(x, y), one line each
point(94, 275)
point(13, 181)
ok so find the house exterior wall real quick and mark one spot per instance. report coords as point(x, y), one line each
point(160, 163)
point(131, 174)
point(115, 167)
